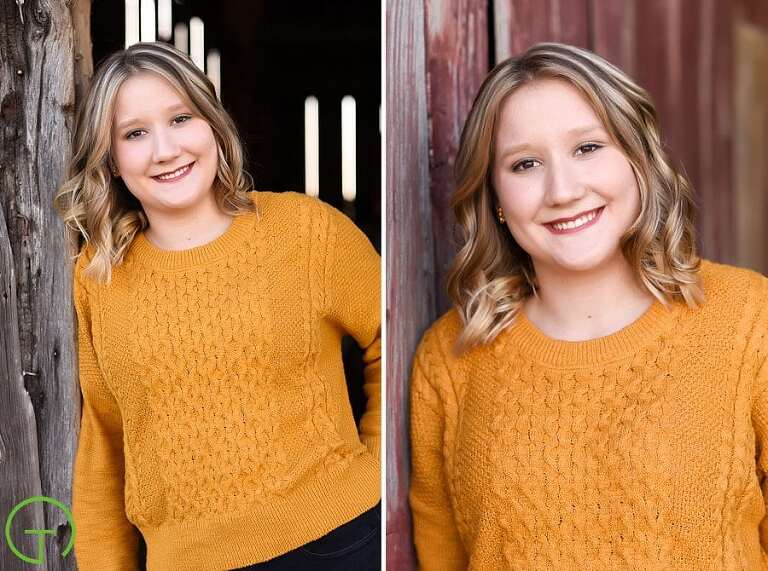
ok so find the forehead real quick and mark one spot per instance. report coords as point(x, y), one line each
point(545, 106)
point(143, 94)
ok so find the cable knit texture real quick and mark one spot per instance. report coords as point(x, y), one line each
point(645, 449)
point(216, 419)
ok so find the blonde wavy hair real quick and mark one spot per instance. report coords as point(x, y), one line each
point(492, 275)
point(97, 207)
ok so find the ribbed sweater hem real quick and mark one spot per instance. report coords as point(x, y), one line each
point(263, 532)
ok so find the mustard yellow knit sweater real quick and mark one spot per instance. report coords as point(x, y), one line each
point(646, 449)
point(215, 417)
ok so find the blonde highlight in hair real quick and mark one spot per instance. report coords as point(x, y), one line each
point(97, 207)
point(492, 275)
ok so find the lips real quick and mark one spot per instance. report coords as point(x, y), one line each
point(174, 175)
point(574, 223)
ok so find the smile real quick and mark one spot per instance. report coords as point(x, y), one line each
point(173, 176)
point(570, 226)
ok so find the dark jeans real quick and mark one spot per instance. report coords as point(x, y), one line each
point(353, 546)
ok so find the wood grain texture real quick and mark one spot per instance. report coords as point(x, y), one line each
point(518, 24)
point(410, 263)
point(80, 11)
point(611, 36)
point(37, 102)
point(457, 61)
point(680, 51)
point(751, 145)
point(19, 466)
point(754, 12)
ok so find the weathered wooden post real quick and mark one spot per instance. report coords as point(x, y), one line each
point(410, 266)
point(45, 59)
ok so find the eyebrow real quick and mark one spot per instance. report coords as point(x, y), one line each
point(575, 132)
point(175, 107)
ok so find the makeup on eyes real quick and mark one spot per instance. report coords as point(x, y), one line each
point(595, 147)
point(185, 116)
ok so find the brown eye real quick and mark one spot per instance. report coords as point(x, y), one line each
point(588, 148)
point(524, 165)
point(134, 134)
point(181, 119)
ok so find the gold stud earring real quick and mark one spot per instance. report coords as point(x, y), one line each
point(500, 215)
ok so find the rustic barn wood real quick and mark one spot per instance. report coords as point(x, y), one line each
point(40, 406)
point(518, 24)
point(410, 262)
point(751, 142)
point(81, 25)
point(19, 466)
point(457, 60)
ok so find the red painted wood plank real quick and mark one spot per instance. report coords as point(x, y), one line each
point(518, 24)
point(685, 63)
point(680, 51)
point(457, 61)
point(612, 32)
point(750, 138)
point(410, 270)
point(753, 11)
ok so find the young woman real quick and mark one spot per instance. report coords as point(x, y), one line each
point(597, 397)
point(215, 417)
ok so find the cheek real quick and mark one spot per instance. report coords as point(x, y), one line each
point(617, 179)
point(132, 158)
point(202, 140)
point(520, 199)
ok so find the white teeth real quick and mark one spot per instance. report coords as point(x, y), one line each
point(173, 174)
point(576, 223)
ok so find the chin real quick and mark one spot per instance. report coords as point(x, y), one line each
point(184, 199)
point(584, 261)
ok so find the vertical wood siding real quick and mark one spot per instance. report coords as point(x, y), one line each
point(410, 268)
point(457, 60)
point(40, 67)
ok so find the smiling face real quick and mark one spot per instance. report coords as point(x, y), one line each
point(567, 191)
point(165, 153)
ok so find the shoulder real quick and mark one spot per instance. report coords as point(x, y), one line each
point(84, 287)
point(82, 261)
point(735, 302)
point(442, 334)
point(728, 285)
point(437, 369)
point(297, 212)
point(290, 203)
point(435, 350)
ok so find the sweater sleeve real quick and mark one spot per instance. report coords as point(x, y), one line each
point(354, 292)
point(760, 420)
point(760, 409)
point(436, 537)
point(105, 539)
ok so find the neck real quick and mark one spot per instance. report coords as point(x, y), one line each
point(187, 229)
point(577, 306)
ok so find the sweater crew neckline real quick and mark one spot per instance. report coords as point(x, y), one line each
point(532, 342)
point(152, 256)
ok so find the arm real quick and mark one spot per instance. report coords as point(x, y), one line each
point(105, 538)
point(438, 545)
point(760, 408)
point(760, 423)
point(354, 289)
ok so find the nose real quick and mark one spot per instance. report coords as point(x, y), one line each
point(164, 146)
point(562, 184)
